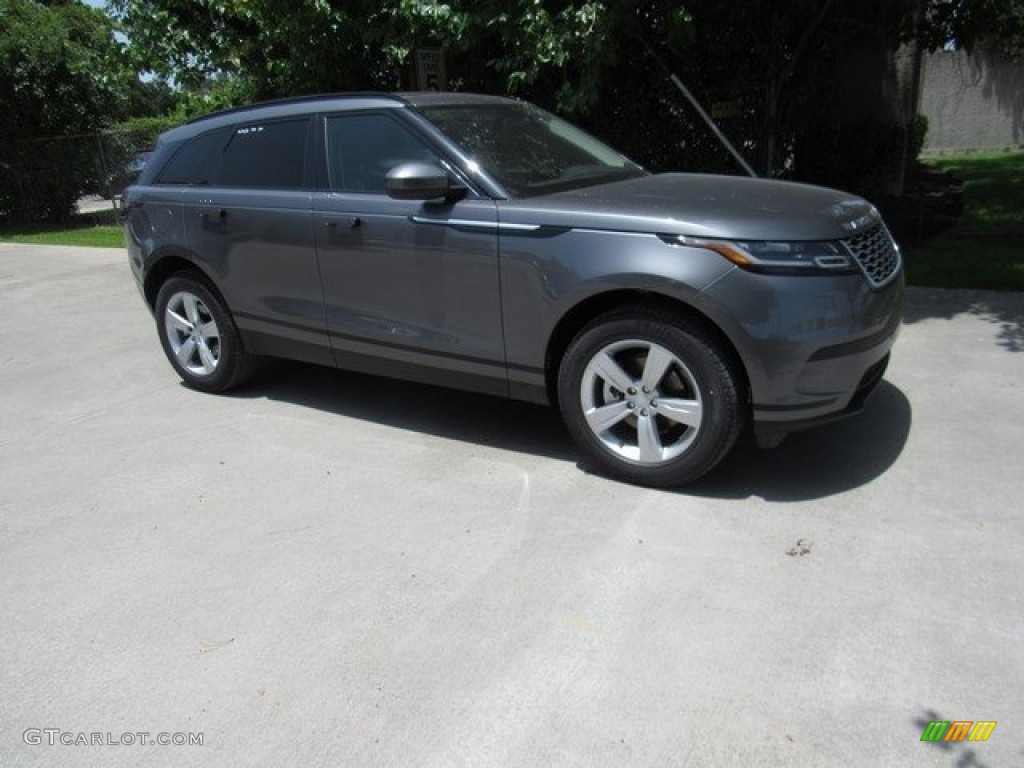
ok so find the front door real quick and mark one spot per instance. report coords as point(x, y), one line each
point(411, 288)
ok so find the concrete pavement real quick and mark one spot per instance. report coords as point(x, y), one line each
point(329, 569)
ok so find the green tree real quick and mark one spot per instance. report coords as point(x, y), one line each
point(561, 54)
point(277, 47)
point(782, 74)
point(61, 75)
point(993, 25)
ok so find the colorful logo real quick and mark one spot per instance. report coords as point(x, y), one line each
point(958, 730)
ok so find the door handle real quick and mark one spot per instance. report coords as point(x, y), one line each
point(221, 214)
point(346, 222)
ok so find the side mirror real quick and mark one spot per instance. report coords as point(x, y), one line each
point(420, 181)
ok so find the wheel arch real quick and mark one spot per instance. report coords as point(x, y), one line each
point(585, 311)
point(174, 263)
point(238, 364)
point(166, 266)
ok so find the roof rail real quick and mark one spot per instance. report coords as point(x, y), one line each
point(298, 100)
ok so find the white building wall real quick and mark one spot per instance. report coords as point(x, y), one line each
point(972, 102)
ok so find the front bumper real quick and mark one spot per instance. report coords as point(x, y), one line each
point(814, 348)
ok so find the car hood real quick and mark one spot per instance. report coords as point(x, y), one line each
point(702, 205)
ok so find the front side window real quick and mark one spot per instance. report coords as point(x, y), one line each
point(362, 149)
point(529, 151)
point(266, 155)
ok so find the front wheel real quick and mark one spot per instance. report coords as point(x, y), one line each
point(648, 399)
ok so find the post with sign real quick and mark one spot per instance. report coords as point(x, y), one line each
point(430, 74)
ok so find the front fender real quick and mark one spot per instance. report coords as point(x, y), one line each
point(546, 279)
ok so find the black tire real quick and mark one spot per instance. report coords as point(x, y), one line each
point(676, 430)
point(208, 355)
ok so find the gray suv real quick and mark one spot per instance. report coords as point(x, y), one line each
point(481, 243)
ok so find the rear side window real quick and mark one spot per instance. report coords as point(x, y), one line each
point(195, 161)
point(361, 149)
point(270, 155)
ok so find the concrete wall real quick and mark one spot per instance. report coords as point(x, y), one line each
point(972, 102)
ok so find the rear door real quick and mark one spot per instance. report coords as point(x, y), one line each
point(251, 226)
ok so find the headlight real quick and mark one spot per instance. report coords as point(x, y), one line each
point(777, 257)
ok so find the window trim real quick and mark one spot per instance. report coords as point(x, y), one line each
point(400, 116)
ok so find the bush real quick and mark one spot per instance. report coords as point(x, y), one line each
point(60, 81)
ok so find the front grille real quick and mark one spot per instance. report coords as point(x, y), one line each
point(876, 253)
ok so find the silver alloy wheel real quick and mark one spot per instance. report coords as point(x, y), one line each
point(193, 333)
point(641, 401)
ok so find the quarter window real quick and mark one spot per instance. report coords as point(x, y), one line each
point(193, 163)
point(362, 149)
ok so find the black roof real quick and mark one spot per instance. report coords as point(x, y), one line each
point(412, 98)
point(294, 100)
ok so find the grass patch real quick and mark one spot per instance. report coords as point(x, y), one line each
point(986, 248)
point(949, 261)
point(96, 230)
point(993, 188)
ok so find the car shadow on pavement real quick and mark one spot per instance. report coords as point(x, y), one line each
point(819, 462)
point(808, 465)
point(447, 413)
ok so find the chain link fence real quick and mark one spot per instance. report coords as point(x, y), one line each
point(44, 179)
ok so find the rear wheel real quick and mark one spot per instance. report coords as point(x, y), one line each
point(199, 336)
point(649, 399)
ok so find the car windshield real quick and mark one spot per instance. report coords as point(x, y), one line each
point(529, 151)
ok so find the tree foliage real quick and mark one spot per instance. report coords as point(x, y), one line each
point(276, 47)
point(60, 75)
point(993, 25)
point(781, 74)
